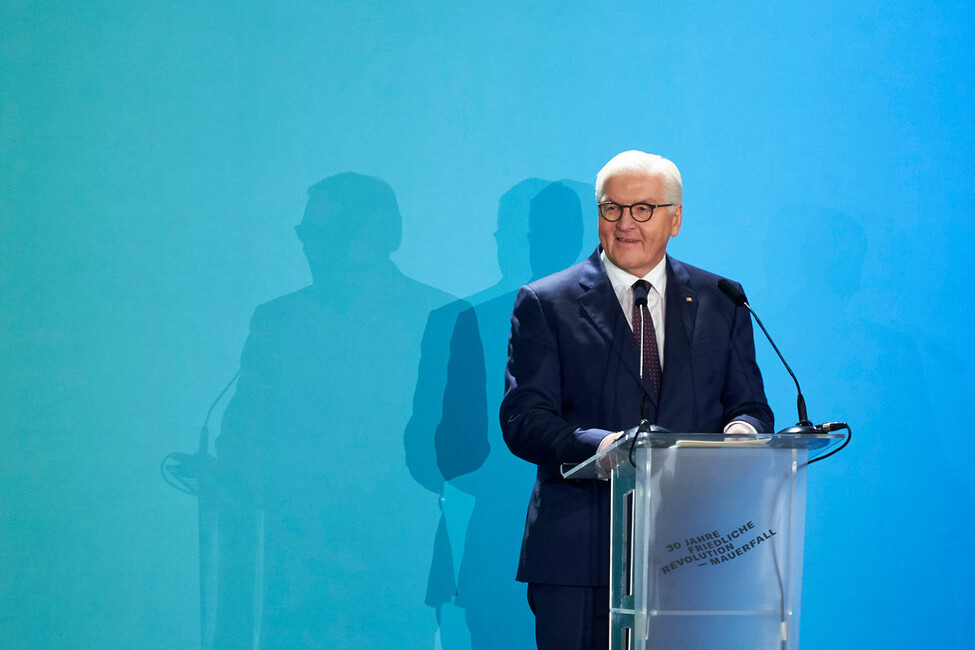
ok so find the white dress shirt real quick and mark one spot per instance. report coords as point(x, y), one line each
point(622, 282)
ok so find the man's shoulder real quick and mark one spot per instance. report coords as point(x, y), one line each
point(571, 281)
point(693, 276)
point(557, 282)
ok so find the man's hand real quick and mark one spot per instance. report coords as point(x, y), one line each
point(605, 464)
point(609, 440)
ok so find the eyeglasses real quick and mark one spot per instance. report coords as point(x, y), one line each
point(639, 211)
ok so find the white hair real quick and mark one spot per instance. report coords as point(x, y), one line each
point(638, 162)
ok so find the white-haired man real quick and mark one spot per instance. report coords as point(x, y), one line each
point(585, 364)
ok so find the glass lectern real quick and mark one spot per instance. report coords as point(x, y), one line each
point(707, 533)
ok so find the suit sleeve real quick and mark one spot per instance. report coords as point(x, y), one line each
point(532, 418)
point(743, 396)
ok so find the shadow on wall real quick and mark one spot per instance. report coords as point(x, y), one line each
point(361, 398)
point(358, 396)
point(873, 376)
point(548, 217)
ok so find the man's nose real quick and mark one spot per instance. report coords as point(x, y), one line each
point(626, 220)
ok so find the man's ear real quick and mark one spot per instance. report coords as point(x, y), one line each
point(677, 218)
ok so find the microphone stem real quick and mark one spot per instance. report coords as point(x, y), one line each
point(204, 446)
point(800, 400)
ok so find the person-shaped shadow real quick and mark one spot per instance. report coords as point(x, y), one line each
point(496, 609)
point(890, 496)
point(328, 449)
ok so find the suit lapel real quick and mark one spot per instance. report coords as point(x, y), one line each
point(681, 317)
point(600, 304)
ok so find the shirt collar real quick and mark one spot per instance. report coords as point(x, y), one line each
point(623, 280)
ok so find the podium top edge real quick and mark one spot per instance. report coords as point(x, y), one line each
point(815, 442)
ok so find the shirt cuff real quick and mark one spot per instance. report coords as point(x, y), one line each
point(740, 426)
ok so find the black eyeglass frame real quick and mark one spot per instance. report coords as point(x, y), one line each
point(652, 206)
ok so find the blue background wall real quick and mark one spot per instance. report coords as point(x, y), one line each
point(154, 158)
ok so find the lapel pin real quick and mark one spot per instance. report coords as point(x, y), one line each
point(688, 299)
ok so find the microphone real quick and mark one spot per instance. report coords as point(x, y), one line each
point(736, 294)
point(640, 294)
point(640, 300)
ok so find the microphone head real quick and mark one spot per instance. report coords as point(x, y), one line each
point(733, 291)
point(640, 294)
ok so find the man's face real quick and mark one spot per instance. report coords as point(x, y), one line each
point(633, 246)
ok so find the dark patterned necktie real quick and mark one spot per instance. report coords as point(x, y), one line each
point(647, 342)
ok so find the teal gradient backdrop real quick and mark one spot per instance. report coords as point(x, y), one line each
point(154, 158)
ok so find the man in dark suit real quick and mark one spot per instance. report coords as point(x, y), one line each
point(577, 377)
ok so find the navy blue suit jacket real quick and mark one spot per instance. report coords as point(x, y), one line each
point(573, 377)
